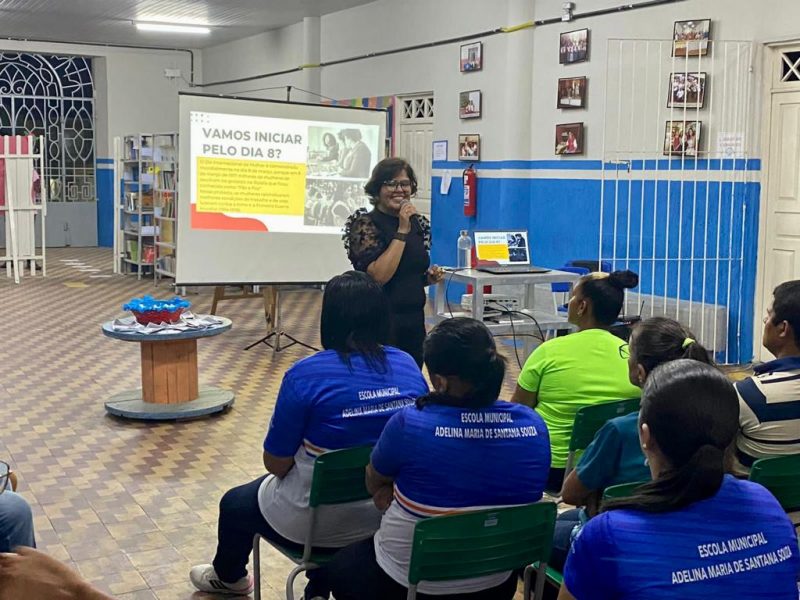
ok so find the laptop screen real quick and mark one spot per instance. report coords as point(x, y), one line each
point(503, 247)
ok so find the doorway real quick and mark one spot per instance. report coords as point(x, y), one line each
point(414, 142)
point(779, 244)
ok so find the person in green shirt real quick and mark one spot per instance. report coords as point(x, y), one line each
point(581, 369)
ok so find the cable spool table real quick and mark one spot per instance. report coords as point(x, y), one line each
point(170, 387)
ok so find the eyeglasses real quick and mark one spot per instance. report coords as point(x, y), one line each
point(625, 351)
point(4, 472)
point(398, 183)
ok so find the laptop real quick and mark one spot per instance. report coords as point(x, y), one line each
point(507, 251)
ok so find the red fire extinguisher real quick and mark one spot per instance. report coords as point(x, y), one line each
point(470, 191)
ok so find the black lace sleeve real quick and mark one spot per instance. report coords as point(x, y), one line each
point(362, 240)
point(425, 226)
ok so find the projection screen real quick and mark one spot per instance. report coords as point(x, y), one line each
point(265, 188)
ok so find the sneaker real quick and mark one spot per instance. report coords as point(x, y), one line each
point(205, 579)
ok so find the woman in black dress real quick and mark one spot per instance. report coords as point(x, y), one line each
point(391, 244)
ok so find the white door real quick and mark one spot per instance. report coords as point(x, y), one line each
point(781, 234)
point(414, 142)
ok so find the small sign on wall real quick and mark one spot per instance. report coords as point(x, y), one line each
point(730, 144)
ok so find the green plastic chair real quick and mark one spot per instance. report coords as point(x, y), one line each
point(481, 543)
point(781, 476)
point(589, 420)
point(339, 477)
point(622, 490)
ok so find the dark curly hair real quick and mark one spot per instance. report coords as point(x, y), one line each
point(386, 170)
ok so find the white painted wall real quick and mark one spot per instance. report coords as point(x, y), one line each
point(520, 69)
point(132, 92)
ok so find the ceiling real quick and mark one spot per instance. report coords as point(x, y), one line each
point(110, 21)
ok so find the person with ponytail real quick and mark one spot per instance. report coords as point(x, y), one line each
point(581, 369)
point(338, 398)
point(457, 449)
point(614, 456)
point(694, 532)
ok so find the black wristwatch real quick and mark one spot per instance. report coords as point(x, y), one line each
point(400, 236)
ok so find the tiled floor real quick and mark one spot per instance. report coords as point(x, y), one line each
point(131, 505)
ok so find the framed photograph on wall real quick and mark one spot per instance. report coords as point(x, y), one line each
point(573, 47)
point(571, 92)
point(469, 146)
point(472, 57)
point(691, 37)
point(469, 104)
point(569, 138)
point(682, 138)
point(687, 90)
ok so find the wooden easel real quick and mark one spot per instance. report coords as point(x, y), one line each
point(268, 293)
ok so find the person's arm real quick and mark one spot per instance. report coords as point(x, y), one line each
point(33, 575)
point(530, 377)
point(574, 492)
point(598, 468)
point(380, 487)
point(387, 459)
point(523, 396)
point(383, 269)
point(12, 479)
point(286, 429)
point(278, 465)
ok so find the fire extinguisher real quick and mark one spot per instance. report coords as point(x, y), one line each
point(470, 191)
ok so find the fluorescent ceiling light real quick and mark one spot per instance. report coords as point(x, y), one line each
point(171, 28)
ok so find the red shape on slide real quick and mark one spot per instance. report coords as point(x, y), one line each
point(204, 220)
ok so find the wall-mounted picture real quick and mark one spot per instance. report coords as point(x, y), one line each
point(569, 138)
point(472, 57)
point(687, 90)
point(682, 138)
point(469, 104)
point(573, 47)
point(469, 146)
point(572, 92)
point(691, 38)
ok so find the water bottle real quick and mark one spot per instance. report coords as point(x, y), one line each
point(464, 250)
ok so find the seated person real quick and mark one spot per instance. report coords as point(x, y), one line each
point(423, 466)
point(16, 519)
point(769, 402)
point(580, 369)
point(694, 532)
point(338, 398)
point(614, 456)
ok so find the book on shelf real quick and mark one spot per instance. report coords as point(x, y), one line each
point(166, 263)
point(148, 254)
point(165, 180)
point(132, 250)
point(167, 232)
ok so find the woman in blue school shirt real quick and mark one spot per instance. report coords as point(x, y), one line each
point(614, 456)
point(459, 449)
point(338, 398)
point(694, 532)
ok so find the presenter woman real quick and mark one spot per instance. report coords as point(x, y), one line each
point(391, 244)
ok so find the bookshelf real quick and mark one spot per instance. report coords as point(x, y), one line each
point(145, 178)
point(165, 199)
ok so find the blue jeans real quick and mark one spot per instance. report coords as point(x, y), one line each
point(16, 522)
point(562, 537)
point(240, 518)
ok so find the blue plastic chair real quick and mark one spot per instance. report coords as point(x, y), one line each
point(564, 288)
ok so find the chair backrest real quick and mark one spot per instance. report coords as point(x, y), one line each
point(481, 543)
point(563, 288)
point(781, 476)
point(623, 490)
point(339, 476)
point(603, 266)
point(589, 419)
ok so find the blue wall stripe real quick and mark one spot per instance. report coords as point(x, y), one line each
point(104, 179)
point(563, 220)
point(714, 164)
point(104, 161)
